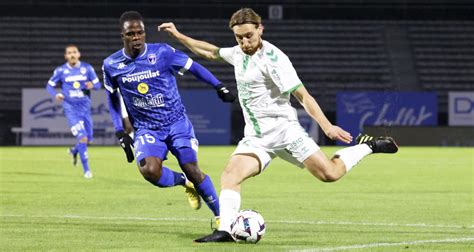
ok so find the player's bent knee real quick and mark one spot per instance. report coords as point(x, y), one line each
point(84, 140)
point(328, 178)
point(186, 155)
point(150, 170)
point(324, 169)
point(326, 173)
point(331, 175)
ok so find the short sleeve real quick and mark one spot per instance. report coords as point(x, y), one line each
point(109, 83)
point(282, 72)
point(179, 61)
point(55, 78)
point(91, 75)
point(227, 54)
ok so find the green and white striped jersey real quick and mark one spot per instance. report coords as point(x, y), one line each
point(265, 81)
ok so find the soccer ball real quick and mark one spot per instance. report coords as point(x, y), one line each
point(247, 226)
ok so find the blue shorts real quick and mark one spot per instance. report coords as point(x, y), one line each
point(81, 124)
point(79, 118)
point(178, 138)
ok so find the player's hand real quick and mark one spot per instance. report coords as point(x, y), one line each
point(127, 144)
point(89, 85)
point(170, 28)
point(224, 93)
point(59, 97)
point(336, 133)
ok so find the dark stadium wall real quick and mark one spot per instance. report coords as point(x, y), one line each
point(315, 9)
point(396, 26)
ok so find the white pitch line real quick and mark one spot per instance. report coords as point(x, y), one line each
point(69, 216)
point(388, 244)
point(340, 223)
point(349, 223)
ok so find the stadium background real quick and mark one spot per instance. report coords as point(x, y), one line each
point(419, 199)
point(338, 45)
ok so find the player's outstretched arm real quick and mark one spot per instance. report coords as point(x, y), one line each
point(312, 108)
point(205, 75)
point(201, 48)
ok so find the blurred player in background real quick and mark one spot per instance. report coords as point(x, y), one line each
point(265, 80)
point(77, 78)
point(145, 75)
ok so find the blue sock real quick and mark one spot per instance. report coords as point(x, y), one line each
point(208, 193)
point(82, 148)
point(170, 178)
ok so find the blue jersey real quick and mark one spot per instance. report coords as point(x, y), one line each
point(73, 81)
point(148, 84)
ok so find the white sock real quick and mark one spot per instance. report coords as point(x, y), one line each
point(229, 204)
point(350, 156)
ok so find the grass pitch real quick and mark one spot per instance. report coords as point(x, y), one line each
point(417, 199)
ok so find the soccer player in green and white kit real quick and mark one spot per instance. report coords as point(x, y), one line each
point(265, 80)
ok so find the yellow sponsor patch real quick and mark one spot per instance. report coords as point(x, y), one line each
point(142, 88)
point(76, 85)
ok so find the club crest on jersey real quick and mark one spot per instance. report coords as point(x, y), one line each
point(76, 85)
point(83, 70)
point(142, 88)
point(152, 58)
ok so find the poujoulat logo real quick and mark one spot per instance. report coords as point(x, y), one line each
point(136, 77)
point(76, 78)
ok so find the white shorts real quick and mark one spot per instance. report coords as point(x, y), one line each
point(288, 141)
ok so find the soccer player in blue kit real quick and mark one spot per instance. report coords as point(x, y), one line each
point(145, 75)
point(77, 79)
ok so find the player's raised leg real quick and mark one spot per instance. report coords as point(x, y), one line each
point(382, 144)
point(239, 168)
point(366, 145)
point(330, 170)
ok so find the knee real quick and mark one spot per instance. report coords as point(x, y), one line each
point(151, 171)
point(328, 173)
point(332, 173)
point(330, 177)
point(83, 140)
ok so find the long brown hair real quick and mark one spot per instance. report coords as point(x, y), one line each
point(245, 16)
